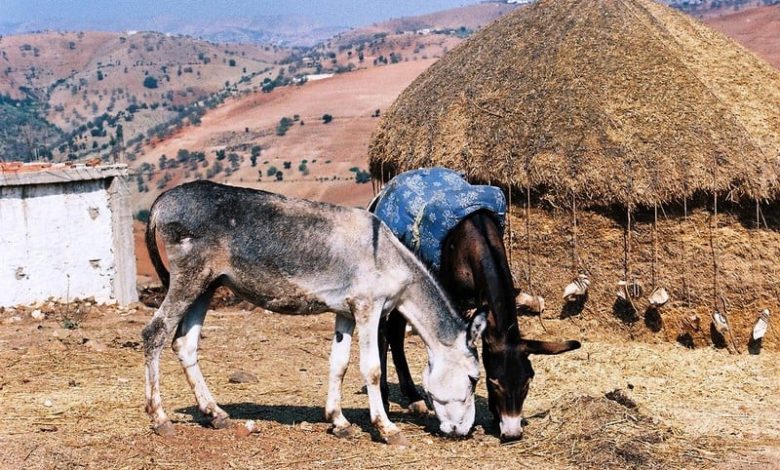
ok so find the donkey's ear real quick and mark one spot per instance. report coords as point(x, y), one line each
point(530, 346)
point(476, 328)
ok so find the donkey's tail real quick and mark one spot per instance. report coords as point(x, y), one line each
point(154, 252)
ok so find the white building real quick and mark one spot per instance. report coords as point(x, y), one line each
point(65, 232)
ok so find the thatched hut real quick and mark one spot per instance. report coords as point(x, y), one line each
point(618, 107)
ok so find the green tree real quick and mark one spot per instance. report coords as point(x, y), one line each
point(284, 125)
point(327, 118)
point(362, 177)
point(150, 82)
point(142, 215)
point(234, 160)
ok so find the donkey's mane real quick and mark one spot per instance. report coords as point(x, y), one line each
point(431, 286)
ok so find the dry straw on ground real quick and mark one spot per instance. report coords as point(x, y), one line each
point(67, 405)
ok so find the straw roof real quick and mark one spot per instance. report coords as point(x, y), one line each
point(613, 101)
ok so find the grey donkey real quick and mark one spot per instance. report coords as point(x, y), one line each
point(300, 257)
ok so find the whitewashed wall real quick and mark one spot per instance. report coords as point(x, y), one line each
point(56, 241)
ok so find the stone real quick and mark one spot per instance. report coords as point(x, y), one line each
point(249, 427)
point(96, 346)
point(38, 315)
point(242, 377)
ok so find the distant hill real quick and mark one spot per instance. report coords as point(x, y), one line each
point(714, 8)
point(77, 89)
point(465, 19)
point(77, 81)
point(280, 30)
point(758, 29)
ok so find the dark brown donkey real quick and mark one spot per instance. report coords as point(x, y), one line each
point(475, 273)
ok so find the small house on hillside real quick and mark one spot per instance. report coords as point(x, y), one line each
point(65, 232)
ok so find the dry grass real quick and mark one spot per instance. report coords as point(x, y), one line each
point(613, 101)
point(695, 409)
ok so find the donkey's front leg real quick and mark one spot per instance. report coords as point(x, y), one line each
point(339, 360)
point(367, 317)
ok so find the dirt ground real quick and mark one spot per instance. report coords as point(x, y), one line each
point(73, 398)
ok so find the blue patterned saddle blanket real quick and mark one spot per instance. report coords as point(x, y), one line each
point(422, 206)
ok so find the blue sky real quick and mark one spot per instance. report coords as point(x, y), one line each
point(328, 12)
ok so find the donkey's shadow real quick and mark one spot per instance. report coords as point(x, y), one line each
point(294, 414)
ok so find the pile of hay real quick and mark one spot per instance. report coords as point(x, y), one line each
point(610, 432)
point(609, 101)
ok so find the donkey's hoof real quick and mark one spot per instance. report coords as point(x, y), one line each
point(220, 422)
point(397, 440)
point(419, 408)
point(165, 429)
point(344, 432)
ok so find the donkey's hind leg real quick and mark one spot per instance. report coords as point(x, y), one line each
point(185, 345)
point(180, 297)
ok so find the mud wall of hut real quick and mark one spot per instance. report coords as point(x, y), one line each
point(748, 272)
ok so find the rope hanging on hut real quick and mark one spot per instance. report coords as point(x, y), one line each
point(528, 226)
point(627, 246)
point(685, 251)
point(509, 227)
point(717, 297)
point(574, 257)
point(655, 243)
point(713, 226)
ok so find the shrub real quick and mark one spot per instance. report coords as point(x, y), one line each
point(271, 171)
point(142, 215)
point(327, 118)
point(150, 82)
point(284, 125)
point(362, 177)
